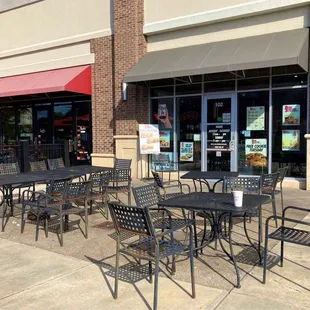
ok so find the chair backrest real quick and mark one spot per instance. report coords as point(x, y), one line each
point(55, 163)
point(282, 173)
point(269, 182)
point(38, 165)
point(157, 179)
point(122, 163)
point(57, 187)
point(146, 196)
point(77, 190)
point(119, 175)
point(132, 219)
point(12, 168)
point(100, 180)
point(249, 185)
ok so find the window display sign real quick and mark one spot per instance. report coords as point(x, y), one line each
point(163, 161)
point(226, 117)
point(186, 151)
point(149, 139)
point(291, 114)
point(290, 140)
point(256, 152)
point(255, 118)
point(164, 138)
point(218, 136)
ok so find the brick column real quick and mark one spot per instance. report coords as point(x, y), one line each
point(129, 47)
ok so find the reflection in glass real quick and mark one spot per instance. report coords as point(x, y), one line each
point(63, 122)
point(25, 124)
point(7, 130)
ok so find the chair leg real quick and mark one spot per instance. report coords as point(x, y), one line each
point(281, 191)
point(265, 259)
point(191, 257)
point(116, 268)
point(61, 227)
point(282, 253)
point(22, 224)
point(37, 223)
point(274, 209)
point(86, 220)
point(46, 226)
point(150, 272)
point(156, 278)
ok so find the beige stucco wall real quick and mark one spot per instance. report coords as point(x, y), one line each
point(273, 22)
point(157, 10)
point(51, 34)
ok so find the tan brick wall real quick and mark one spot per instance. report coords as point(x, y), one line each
point(102, 96)
point(129, 47)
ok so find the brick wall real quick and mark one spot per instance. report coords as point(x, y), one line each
point(129, 47)
point(102, 96)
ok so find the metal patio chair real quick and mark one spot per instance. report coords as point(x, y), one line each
point(269, 183)
point(282, 173)
point(122, 163)
point(38, 166)
point(120, 182)
point(163, 186)
point(150, 246)
point(13, 168)
point(74, 201)
point(55, 163)
point(286, 234)
point(34, 203)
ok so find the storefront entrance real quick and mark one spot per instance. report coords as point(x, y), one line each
point(219, 133)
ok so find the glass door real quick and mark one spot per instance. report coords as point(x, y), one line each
point(219, 123)
point(43, 124)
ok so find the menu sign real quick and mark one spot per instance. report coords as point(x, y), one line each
point(290, 140)
point(164, 138)
point(256, 152)
point(218, 136)
point(291, 114)
point(186, 151)
point(255, 118)
point(149, 139)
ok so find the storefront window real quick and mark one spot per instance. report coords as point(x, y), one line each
point(63, 122)
point(289, 128)
point(25, 124)
point(162, 114)
point(188, 113)
point(253, 123)
point(7, 122)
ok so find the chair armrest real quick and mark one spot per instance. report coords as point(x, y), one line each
point(187, 223)
point(186, 185)
point(161, 209)
point(294, 208)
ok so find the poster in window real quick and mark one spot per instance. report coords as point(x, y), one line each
point(255, 118)
point(256, 152)
point(149, 139)
point(162, 161)
point(164, 138)
point(291, 114)
point(186, 151)
point(290, 140)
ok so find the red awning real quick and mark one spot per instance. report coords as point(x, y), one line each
point(75, 79)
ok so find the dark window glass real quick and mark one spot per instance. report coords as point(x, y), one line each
point(63, 122)
point(219, 86)
point(287, 70)
point(188, 79)
point(254, 83)
point(221, 76)
point(289, 127)
point(162, 91)
point(253, 120)
point(253, 73)
point(165, 125)
point(188, 111)
point(290, 80)
point(7, 126)
point(188, 89)
point(216, 109)
point(162, 82)
point(25, 124)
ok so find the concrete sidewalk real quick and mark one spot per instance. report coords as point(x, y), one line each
point(36, 275)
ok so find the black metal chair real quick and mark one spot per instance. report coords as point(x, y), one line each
point(34, 203)
point(282, 173)
point(13, 168)
point(55, 163)
point(74, 194)
point(38, 166)
point(122, 163)
point(98, 195)
point(150, 246)
point(163, 186)
point(286, 234)
point(269, 183)
point(120, 182)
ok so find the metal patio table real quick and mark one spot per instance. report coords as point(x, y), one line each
point(221, 206)
point(41, 176)
point(202, 177)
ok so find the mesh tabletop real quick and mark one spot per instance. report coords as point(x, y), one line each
point(205, 201)
point(58, 174)
point(196, 175)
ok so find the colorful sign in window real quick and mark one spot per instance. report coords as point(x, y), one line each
point(186, 151)
point(291, 115)
point(255, 118)
point(290, 140)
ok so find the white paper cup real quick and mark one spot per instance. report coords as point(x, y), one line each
point(238, 198)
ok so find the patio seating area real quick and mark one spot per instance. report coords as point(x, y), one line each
point(81, 274)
